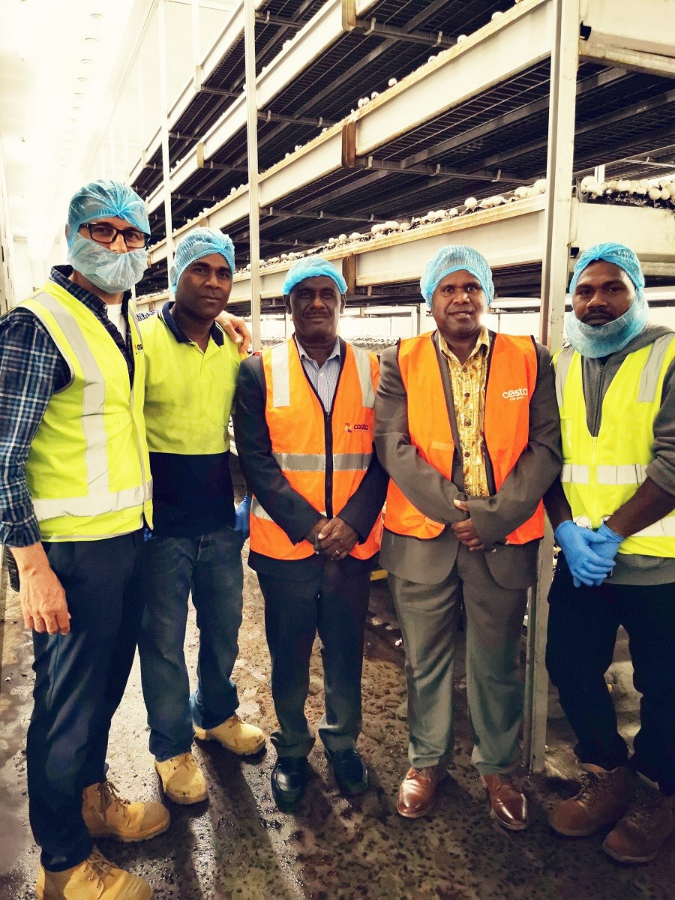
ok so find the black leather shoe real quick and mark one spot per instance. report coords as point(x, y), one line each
point(289, 780)
point(350, 771)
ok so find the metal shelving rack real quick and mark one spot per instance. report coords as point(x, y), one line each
point(540, 89)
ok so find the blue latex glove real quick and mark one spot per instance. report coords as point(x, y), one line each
point(576, 542)
point(242, 515)
point(613, 541)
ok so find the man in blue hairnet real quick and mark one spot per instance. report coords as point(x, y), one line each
point(195, 547)
point(613, 510)
point(75, 491)
point(303, 427)
point(466, 425)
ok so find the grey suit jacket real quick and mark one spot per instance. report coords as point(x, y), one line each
point(494, 517)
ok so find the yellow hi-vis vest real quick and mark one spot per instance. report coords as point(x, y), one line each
point(600, 474)
point(188, 394)
point(88, 471)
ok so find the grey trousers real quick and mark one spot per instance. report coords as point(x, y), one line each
point(429, 615)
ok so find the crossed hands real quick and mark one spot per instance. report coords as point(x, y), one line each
point(465, 530)
point(332, 538)
point(589, 554)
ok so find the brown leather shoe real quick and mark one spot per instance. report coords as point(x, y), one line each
point(418, 791)
point(508, 804)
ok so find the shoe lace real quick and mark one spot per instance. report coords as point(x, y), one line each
point(185, 760)
point(110, 797)
point(591, 788)
point(641, 813)
point(100, 867)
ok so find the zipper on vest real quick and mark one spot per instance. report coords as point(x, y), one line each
point(328, 434)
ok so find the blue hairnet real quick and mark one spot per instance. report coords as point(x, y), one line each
point(198, 243)
point(610, 252)
point(453, 259)
point(105, 199)
point(310, 267)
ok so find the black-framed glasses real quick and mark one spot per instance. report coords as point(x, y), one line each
point(103, 233)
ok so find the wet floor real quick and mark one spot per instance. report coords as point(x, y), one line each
point(238, 845)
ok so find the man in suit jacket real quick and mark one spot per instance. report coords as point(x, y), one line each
point(467, 427)
point(303, 427)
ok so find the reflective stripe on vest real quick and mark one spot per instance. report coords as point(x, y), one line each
point(601, 474)
point(511, 383)
point(297, 422)
point(94, 419)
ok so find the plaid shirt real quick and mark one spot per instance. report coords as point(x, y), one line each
point(31, 370)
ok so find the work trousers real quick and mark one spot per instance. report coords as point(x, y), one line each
point(428, 615)
point(582, 628)
point(210, 567)
point(79, 681)
point(334, 604)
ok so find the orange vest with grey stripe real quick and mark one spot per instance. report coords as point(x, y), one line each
point(324, 456)
point(512, 377)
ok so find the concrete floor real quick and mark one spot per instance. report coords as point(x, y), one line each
point(238, 845)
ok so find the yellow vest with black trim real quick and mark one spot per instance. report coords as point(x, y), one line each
point(600, 474)
point(323, 457)
point(188, 394)
point(511, 382)
point(88, 471)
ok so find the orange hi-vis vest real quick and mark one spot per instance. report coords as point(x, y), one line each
point(512, 376)
point(323, 455)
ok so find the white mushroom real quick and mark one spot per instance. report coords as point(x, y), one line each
point(461, 37)
point(539, 187)
point(471, 203)
point(654, 193)
point(392, 82)
point(497, 15)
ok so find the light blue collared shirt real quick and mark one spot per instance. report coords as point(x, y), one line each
point(323, 378)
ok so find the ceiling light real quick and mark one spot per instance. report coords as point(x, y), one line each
point(96, 16)
point(86, 61)
point(90, 40)
point(83, 78)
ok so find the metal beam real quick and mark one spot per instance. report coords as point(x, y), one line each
point(253, 173)
point(372, 27)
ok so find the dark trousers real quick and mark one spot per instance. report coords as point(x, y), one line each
point(334, 604)
point(582, 631)
point(79, 681)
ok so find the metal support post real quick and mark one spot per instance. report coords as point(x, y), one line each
point(164, 116)
point(560, 167)
point(253, 174)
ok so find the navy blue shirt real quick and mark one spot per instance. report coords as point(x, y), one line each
point(192, 495)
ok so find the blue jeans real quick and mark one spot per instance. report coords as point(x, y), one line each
point(210, 567)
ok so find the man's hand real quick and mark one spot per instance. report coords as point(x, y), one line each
point(581, 546)
point(465, 530)
point(43, 600)
point(313, 534)
point(337, 539)
point(236, 329)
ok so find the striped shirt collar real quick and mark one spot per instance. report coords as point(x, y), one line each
point(335, 353)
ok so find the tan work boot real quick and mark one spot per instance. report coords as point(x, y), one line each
point(235, 735)
point(182, 779)
point(602, 800)
point(94, 879)
point(638, 837)
point(106, 814)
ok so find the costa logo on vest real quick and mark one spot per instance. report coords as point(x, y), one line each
point(515, 394)
point(359, 426)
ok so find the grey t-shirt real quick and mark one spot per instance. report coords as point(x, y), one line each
point(597, 376)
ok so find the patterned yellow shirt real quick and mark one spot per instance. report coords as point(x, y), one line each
point(468, 390)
